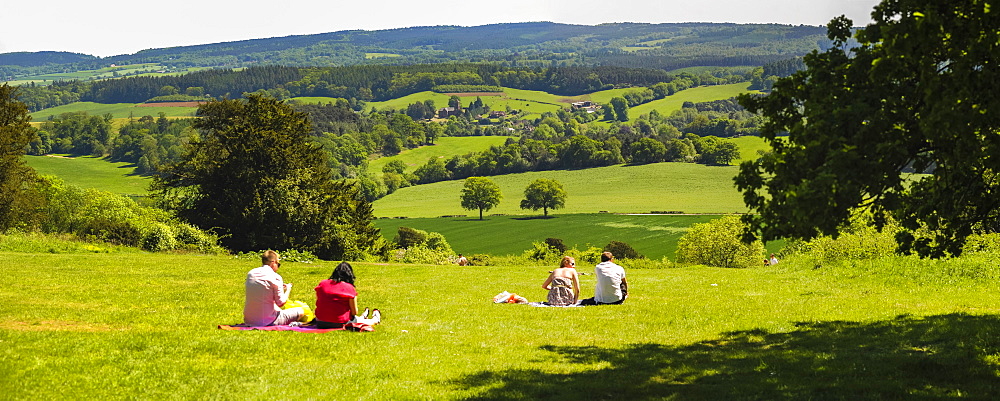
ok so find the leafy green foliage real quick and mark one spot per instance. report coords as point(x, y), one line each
point(622, 250)
point(480, 193)
point(407, 237)
point(18, 198)
point(258, 180)
point(544, 194)
point(718, 243)
point(913, 94)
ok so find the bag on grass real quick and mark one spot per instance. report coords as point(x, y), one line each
point(307, 313)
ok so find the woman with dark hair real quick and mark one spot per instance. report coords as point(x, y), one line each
point(336, 301)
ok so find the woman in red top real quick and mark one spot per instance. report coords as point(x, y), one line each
point(336, 300)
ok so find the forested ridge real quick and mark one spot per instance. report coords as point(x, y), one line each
point(534, 44)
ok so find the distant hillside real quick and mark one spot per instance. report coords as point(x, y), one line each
point(660, 46)
point(35, 59)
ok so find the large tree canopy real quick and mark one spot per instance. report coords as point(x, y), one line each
point(18, 197)
point(919, 92)
point(258, 179)
point(480, 193)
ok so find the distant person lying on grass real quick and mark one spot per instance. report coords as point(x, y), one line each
point(563, 284)
point(266, 293)
point(611, 288)
point(336, 301)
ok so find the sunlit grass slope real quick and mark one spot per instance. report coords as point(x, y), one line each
point(92, 172)
point(117, 110)
point(669, 104)
point(686, 187)
point(654, 236)
point(443, 148)
point(143, 326)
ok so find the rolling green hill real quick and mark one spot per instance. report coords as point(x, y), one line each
point(654, 236)
point(669, 104)
point(444, 148)
point(117, 110)
point(686, 187)
point(92, 172)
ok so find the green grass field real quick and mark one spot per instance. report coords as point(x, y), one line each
point(125, 326)
point(750, 146)
point(443, 148)
point(92, 172)
point(117, 110)
point(669, 104)
point(685, 187)
point(654, 236)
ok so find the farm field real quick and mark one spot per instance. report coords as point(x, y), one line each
point(445, 147)
point(750, 146)
point(684, 187)
point(117, 110)
point(143, 326)
point(654, 236)
point(92, 172)
point(669, 104)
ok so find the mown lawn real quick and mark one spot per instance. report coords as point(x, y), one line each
point(684, 187)
point(653, 236)
point(143, 326)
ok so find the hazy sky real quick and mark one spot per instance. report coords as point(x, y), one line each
point(113, 27)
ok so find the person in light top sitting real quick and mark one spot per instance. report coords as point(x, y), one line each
point(266, 293)
point(336, 301)
point(563, 283)
point(611, 288)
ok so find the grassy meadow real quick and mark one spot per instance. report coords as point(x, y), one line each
point(92, 172)
point(117, 110)
point(654, 236)
point(683, 187)
point(445, 147)
point(134, 325)
point(669, 104)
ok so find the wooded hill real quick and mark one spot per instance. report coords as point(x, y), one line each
point(659, 46)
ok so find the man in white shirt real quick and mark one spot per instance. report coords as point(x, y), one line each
point(611, 287)
point(266, 293)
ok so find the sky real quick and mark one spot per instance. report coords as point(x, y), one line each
point(113, 27)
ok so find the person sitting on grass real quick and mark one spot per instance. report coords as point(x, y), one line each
point(563, 284)
point(611, 288)
point(266, 293)
point(336, 301)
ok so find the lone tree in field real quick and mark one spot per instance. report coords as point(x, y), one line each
point(260, 182)
point(17, 190)
point(480, 193)
point(918, 93)
point(544, 194)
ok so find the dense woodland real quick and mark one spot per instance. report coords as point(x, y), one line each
point(534, 44)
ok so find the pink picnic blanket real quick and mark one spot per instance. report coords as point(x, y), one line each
point(300, 329)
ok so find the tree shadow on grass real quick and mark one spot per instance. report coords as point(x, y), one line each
point(534, 218)
point(929, 358)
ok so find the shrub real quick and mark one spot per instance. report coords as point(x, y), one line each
point(480, 259)
point(437, 242)
point(540, 251)
point(159, 238)
point(407, 237)
point(556, 243)
point(858, 240)
point(717, 243)
point(422, 254)
point(979, 243)
point(288, 255)
point(121, 232)
point(622, 250)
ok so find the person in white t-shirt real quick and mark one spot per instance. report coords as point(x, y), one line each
point(266, 293)
point(611, 287)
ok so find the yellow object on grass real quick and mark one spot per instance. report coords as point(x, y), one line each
point(307, 315)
